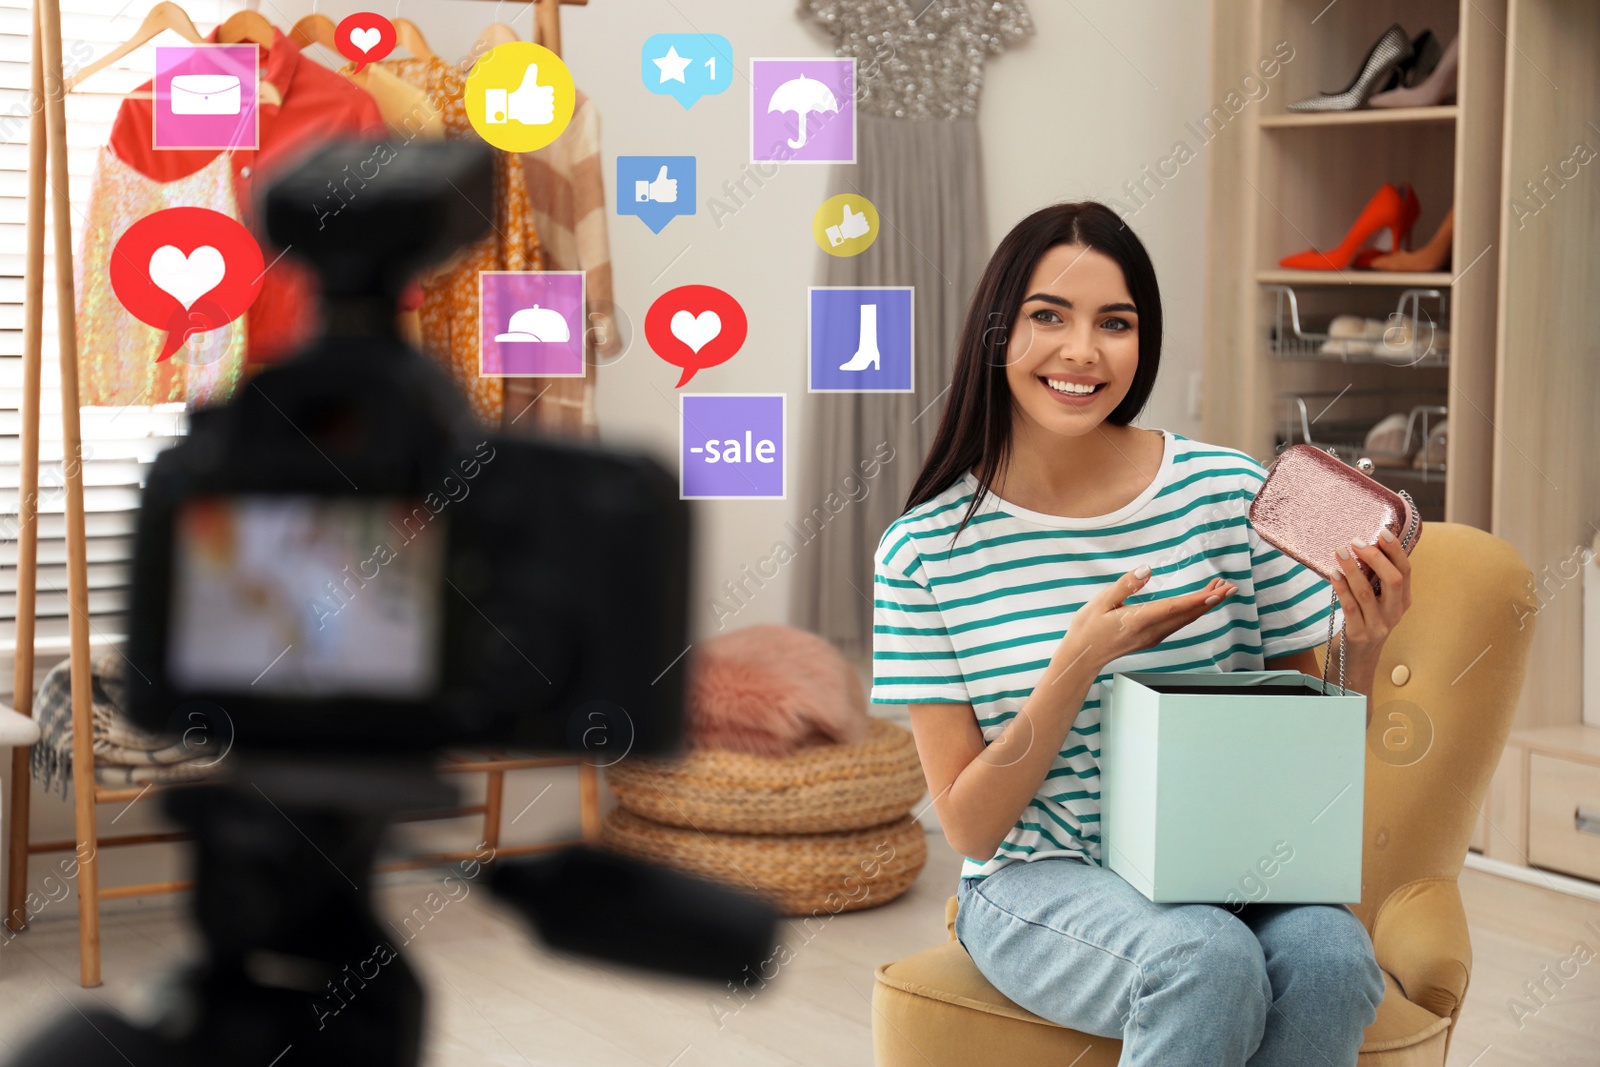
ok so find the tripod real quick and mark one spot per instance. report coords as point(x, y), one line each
point(297, 971)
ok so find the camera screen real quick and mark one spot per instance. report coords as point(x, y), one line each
point(306, 597)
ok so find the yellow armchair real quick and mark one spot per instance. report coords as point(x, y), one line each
point(1446, 693)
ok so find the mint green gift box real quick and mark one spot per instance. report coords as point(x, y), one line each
point(1233, 787)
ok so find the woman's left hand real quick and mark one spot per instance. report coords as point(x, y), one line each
point(1370, 617)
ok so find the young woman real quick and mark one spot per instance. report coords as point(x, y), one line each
point(1047, 544)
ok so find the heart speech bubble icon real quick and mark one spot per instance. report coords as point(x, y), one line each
point(186, 270)
point(695, 327)
point(363, 38)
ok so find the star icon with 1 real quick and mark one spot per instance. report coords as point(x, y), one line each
point(672, 66)
point(686, 66)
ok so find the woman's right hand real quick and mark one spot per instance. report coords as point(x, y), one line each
point(1106, 629)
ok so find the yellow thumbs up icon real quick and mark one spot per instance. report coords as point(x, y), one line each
point(519, 96)
point(845, 225)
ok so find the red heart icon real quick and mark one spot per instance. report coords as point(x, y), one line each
point(695, 327)
point(364, 37)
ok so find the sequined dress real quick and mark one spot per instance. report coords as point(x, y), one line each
point(117, 362)
point(919, 74)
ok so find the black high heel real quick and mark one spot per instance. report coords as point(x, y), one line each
point(1377, 71)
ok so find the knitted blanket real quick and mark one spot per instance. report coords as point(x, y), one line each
point(124, 754)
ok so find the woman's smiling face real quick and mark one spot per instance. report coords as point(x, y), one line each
point(1077, 327)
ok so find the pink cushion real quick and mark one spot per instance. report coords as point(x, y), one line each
point(769, 690)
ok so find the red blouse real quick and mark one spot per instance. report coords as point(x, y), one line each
point(318, 104)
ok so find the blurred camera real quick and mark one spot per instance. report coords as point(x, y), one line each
point(348, 573)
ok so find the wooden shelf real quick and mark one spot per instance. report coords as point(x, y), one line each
point(1437, 361)
point(1406, 279)
point(1575, 741)
point(1369, 117)
point(1430, 475)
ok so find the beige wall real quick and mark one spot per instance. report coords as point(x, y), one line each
point(1076, 112)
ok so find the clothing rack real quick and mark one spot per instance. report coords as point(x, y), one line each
point(547, 20)
point(47, 164)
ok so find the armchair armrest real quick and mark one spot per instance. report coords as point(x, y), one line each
point(1420, 937)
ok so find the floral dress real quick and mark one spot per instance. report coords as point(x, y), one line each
point(450, 310)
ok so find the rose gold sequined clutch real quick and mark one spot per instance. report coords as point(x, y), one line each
point(1314, 503)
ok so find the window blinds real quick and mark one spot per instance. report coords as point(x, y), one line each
point(118, 443)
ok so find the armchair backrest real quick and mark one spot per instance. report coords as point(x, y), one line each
point(1445, 697)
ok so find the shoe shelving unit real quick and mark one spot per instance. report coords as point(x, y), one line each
point(1299, 180)
point(1520, 297)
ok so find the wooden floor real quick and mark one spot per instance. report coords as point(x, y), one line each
point(497, 1000)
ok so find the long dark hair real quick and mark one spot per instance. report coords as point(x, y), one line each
point(975, 430)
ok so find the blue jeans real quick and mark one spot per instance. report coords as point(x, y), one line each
point(1183, 985)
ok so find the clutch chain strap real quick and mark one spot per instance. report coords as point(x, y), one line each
point(1406, 540)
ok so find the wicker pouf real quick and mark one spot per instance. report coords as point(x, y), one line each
point(802, 874)
point(819, 789)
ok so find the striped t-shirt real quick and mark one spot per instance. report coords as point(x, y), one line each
point(977, 624)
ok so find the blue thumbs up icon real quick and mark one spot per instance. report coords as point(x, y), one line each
point(657, 189)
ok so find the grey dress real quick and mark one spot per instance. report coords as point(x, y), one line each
point(919, 72)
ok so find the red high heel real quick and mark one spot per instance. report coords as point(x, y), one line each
point(1389, 209)
point(1367, 258)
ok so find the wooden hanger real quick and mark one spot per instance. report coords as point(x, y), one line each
point(495, 34)
point(251, 27)
point(164, 16)
point(246, 27)
point(315, 29)
point(546, 27)
point(498, 33)
point(407, 36)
